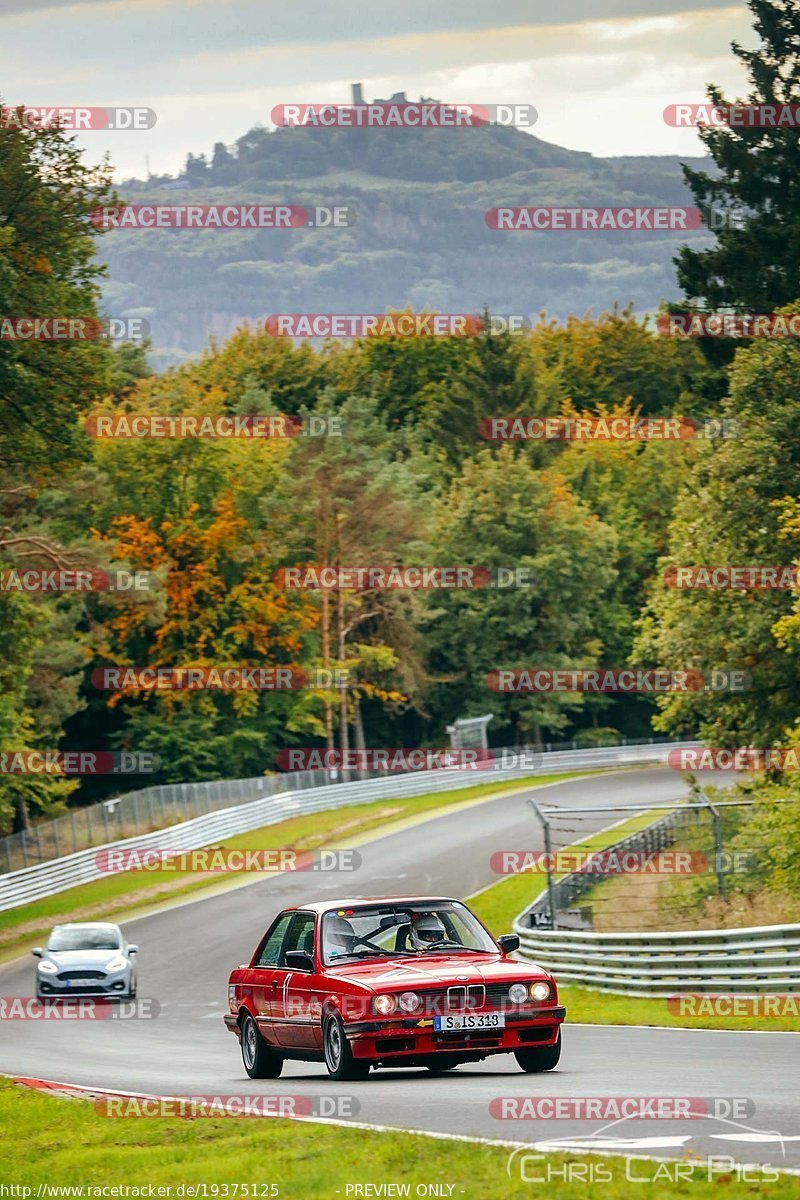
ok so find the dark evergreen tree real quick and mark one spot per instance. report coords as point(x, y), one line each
point(755, 266)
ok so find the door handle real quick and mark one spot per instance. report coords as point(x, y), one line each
point(275, 983)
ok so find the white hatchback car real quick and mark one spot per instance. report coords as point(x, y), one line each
point(87, 958)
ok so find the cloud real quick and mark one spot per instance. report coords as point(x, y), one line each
point(213, 70)
point(169, 25)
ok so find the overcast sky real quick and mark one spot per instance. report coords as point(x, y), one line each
point(600, 72)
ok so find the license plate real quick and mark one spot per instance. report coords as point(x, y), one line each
point(494, 1020)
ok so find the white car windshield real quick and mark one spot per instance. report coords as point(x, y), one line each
point(84, 939)
point(386, 930)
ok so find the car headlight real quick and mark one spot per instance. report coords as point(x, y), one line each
point(48, 968)
point(384, 1005)
point(117, 964)
point(518, 993)
point(541, 991)
point(410, 1001)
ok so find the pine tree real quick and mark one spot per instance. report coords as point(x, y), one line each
point(754, 267)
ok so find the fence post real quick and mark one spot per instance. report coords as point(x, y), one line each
point(548, 849)
point(717, 846)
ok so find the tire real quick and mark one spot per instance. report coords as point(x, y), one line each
point(339, 1058)
point(260, 1060)
point(539, 1058)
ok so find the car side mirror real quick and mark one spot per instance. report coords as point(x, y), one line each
point(508, 943)
point(133, 949)
point(298, 960)
point(37, 951)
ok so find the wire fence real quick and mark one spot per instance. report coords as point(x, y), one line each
point(697, 865)
point(58, 875)
point(160, 806)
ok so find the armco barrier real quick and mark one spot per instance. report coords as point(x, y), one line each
point(160, 805)
point(45, 879)
point(761, 959)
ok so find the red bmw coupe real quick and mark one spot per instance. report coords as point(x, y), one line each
point(398, 982)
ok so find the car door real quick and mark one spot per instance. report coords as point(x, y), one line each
point(262, 977)
point(295, 1023)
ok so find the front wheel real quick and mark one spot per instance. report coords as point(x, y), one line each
point(539, 1058)
point(260, 1060)
point(338, 1056)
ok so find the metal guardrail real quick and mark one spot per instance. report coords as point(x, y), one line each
point(758, 959)
point(46, 879)
point(161, 805)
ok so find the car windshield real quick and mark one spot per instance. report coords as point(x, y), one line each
point(84, 939)
point(385, 930)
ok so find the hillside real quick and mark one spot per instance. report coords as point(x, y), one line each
point(419, 237)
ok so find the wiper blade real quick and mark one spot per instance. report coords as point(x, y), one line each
point(363, 954)
point(458, 946)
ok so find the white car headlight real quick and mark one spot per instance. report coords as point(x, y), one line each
point(518, 993)
point(410, 1001)
point(48, 968)
point(541, 991)
point(118, 963)
point(384, 1005)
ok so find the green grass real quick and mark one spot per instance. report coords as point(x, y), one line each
point(67, 1143)
point(130, 890)
point(584, 1005)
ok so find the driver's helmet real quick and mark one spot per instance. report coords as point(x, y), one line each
point(426, 930)
point(340, 936)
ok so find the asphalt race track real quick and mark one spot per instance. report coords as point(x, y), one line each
point(186, 953)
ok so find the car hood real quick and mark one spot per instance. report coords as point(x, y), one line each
point(69, 960)
point(434, 971)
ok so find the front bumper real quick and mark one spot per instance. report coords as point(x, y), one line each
point(114, 983)
point(415, 1037)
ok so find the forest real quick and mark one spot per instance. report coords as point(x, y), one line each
point(388, 461)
